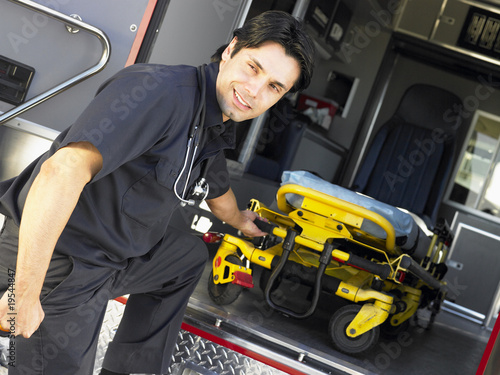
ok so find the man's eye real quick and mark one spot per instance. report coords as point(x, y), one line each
point(274, 87)
point(252, 67)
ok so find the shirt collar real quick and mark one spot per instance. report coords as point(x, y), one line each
point(213, 113)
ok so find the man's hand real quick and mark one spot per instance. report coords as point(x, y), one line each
point(226, 210)
point(248, 227)
point(22, 316)
point(48, 207)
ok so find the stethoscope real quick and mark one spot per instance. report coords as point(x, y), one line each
point(200, 189)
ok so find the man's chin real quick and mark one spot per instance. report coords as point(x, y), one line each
point(235, 115)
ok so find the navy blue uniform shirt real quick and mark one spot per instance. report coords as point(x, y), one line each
point(139, 121)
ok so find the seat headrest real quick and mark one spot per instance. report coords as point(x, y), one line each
point(430, 107)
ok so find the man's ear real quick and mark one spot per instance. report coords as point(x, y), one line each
point(226, 55)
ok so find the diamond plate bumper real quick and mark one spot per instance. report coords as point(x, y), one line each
point(193, 354)
point(214, 343)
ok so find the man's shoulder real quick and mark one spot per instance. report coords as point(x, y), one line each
point(175, 75)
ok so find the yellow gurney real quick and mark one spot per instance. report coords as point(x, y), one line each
point(319, 239)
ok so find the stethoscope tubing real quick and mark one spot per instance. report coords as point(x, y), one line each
point(194, 137)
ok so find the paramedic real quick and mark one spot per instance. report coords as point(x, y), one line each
point(87, 221)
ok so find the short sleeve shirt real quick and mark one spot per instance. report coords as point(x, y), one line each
point(139, 121)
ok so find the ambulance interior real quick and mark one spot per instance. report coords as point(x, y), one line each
point(386, 71)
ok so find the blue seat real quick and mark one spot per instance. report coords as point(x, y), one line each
point(410, 158)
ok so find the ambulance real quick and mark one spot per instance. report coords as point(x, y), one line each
point(379, 184)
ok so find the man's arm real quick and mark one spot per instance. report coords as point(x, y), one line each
point(49, 204)
point(226, 209)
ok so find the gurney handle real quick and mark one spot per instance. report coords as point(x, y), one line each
point(415, 268)
point(379, 269)
point(265, 226)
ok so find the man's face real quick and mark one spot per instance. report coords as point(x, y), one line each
point(254, 79)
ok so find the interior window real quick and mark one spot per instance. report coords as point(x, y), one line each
point(477, 181)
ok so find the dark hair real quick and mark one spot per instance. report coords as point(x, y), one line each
point(284, 29)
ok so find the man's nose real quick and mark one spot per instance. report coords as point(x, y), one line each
point(254, 86)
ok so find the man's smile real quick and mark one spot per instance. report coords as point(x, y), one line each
point(241, 100)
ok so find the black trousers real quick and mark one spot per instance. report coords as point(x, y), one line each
point(75, 296)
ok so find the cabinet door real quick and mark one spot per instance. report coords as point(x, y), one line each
point(473, 264)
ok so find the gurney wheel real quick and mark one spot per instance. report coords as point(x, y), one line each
point(224, 294)
point(337, 329)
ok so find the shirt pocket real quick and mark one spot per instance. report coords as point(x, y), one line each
point(166, 173)
point(151, 199)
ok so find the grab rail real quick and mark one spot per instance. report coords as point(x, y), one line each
point(106, 47)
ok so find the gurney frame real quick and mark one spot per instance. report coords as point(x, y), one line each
point(321, 244)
